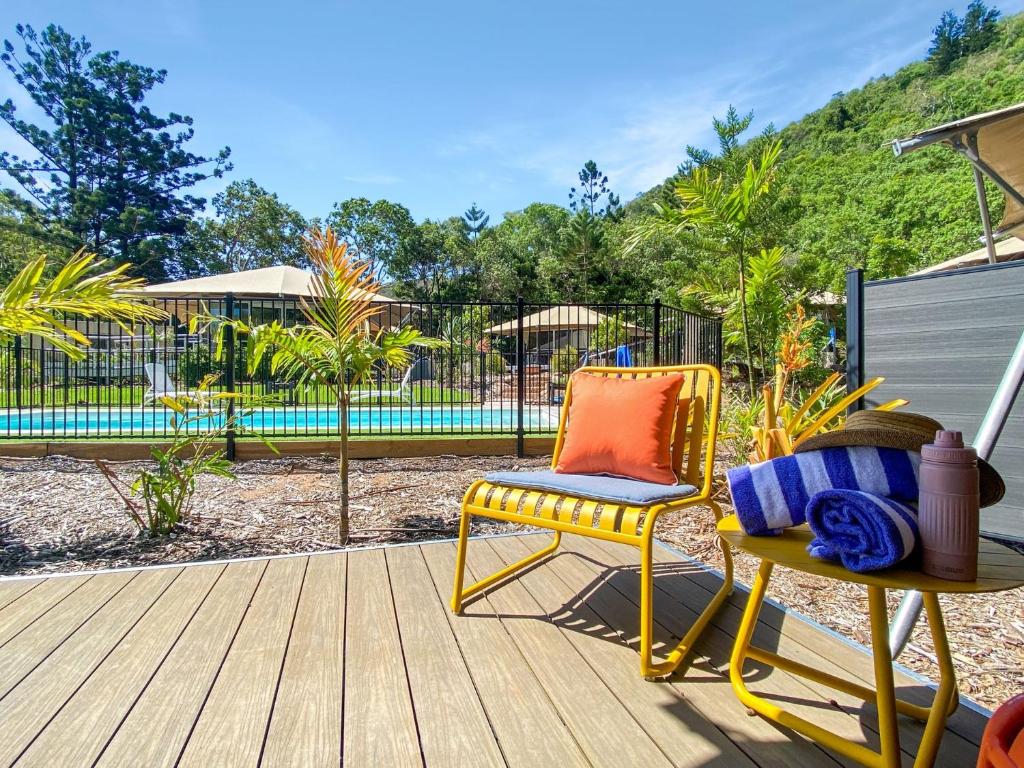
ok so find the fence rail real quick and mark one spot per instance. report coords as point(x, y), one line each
point(502, 370)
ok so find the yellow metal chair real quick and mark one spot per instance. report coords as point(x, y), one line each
point(693, 450)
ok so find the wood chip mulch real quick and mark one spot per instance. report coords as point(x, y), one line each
point(59, 515)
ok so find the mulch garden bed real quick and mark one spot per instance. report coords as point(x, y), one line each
point(59, 515)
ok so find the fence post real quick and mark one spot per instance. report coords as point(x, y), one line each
point(17, 371)
point(855, 334)
point(520, 380)
point(657, 331)
point(483, 376)
point(229, 377)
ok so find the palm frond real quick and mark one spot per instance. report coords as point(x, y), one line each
point(30, 306)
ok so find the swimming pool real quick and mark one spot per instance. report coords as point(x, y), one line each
point(102, 421)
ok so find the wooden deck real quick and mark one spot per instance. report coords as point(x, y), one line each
point(355, 659)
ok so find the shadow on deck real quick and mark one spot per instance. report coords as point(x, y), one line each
point(353, 658)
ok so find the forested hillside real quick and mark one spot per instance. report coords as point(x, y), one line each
point(861, 203)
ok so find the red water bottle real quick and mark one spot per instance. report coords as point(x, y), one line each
point(948, 515)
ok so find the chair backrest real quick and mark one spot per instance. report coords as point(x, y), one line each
point(695, 429)
point(422, 369)
point(158, 379)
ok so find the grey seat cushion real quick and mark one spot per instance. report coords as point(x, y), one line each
point(598, 487)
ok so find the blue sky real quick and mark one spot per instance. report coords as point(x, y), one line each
point(440, 104)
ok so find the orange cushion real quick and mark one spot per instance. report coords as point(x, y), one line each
point(621, 427)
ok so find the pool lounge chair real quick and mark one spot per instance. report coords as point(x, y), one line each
point(420, 370)
point(630, 519)
point(161, 384)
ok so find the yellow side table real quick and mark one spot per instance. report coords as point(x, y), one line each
point(999, 568)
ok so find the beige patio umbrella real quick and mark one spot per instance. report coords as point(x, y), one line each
point(281, 282)
point(270, 282)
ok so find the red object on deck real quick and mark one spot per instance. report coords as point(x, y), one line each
point(1002, 746)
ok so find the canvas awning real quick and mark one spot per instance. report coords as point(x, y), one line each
point(992, 142)
point(275, 282)
point(560, 318)
point(1010, 249)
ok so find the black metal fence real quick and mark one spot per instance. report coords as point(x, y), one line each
point(501, 370)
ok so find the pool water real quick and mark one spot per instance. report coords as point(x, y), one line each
point(108, 422)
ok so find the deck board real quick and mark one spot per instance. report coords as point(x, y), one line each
point(231, 728)
point(379, 725)
point(160, 721)
point(848, 715)
point(702, 682)
point(354, 659)
point(306, 724)
point(452, 725)
point(42, 693)
point(660, 709)
point(12, 590)
point(579, 695)
point(27, 608)
point(966, 722)
point(29, 648)
point(526, 724)
point(80, 729)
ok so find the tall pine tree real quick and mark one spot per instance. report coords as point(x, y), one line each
point(476, 222)
point(106, 169)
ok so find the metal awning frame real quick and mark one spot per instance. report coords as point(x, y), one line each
point(962, 137)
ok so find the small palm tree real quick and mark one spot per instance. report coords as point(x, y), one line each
point(336, 347)
point(30, 306)
point(717, 217)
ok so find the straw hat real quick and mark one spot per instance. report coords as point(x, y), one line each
point(896, 429)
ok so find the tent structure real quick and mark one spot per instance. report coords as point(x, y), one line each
point(559, 318)
point(992, 143)
point(269, 282)
point(1010, 249)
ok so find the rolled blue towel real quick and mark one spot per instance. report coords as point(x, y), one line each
point(863, 531)
point(773, 495)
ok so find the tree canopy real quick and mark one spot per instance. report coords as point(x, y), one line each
point(108, 169)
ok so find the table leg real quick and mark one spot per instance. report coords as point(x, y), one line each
point(885, 687)
point(946, 698)
point(746, 631)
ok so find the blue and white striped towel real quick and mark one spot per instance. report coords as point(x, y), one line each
point(862, 531)
point(774, 494)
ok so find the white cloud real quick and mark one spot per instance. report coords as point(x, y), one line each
point(637, 138)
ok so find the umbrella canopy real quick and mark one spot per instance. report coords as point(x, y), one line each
point(560, 318)
point(276, 282)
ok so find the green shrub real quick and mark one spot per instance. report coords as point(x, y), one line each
point(565, 360)
point(494, 364)
point(195, 364)
point(160, 499)
point(167, 491)
point(608, 334)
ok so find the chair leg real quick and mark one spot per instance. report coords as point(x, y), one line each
point(648, 668)
point(460, 561)
point(460, 593)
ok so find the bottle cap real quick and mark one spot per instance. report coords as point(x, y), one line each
point(949, 448)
